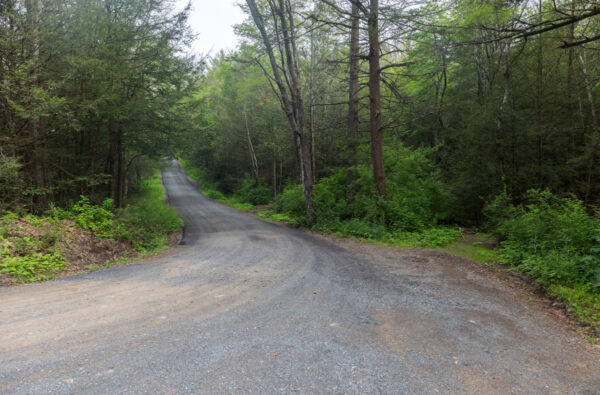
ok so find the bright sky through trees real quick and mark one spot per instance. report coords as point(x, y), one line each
point(213, 21)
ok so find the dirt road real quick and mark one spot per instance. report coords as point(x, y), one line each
point(248, 306)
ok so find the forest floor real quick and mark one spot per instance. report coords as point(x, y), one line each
point(251, 306)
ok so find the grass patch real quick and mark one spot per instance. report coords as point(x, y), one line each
point(117, 262)
point(474, 251)
point(148, 219)
point(277, 217)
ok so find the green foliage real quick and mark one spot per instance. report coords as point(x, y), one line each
point(554, 240)
point(11, 184)
point(499, 210)
point(550, 223)
point(291, 203)
point(148, 220)
point(579, 301)
point(96, 218)
point(439, 236)
point(239, 201)
point(416, 198)
point(278, 217)
point(250, 192)
point(30, 268)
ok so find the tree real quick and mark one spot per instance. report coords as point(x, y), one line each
point(376, 125)
point(289, 92)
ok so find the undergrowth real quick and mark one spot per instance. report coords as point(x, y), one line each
point(557, 242)
point(30, 249)
point(148, 219)
point(409, 218)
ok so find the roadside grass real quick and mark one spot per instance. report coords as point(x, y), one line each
point(32, 248)
point(147, 220)
point(473, 250)
point(117, 262)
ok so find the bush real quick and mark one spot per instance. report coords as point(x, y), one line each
point(249, 192)
point(30, 268)
point(416, 198)
point(554, 240)
point(96, 218)
point(292, 203)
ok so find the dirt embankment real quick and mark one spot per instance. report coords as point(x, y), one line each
point(81, 250)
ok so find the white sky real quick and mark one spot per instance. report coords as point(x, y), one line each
point(213, 21)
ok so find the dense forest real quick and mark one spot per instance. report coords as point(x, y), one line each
point(380, 119)
point(89, 91)
point(484, 97)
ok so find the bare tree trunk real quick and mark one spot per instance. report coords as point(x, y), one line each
point(253, 161)
point(112, 159)
point(375, 101)
point(119, 176)
point(290, 93)
point(274, 166)
point(353, 101)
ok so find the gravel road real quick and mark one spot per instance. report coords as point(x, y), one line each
point(247, 306)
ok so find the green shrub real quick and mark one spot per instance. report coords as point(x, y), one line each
point(24, 245)
point(30, 268)
point(291, 202)
point(270, 215)
point(96, 218)
point(554, 240)
point(249, 192)
point(416, 198)
point(548, 222)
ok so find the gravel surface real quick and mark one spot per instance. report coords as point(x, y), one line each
point(247, 306)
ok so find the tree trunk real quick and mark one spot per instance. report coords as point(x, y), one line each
point(353, 102)
point(290, 93)
point(253, 161)
point(375, 102)
point(119, 177)
point(112, 159)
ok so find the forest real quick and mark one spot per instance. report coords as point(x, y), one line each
point(402, 121)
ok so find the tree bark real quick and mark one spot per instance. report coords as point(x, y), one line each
point(353, 101)
point(375, 101)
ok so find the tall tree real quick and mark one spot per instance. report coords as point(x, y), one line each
point(376, 125)
point(288, 92)
point(353, 94)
